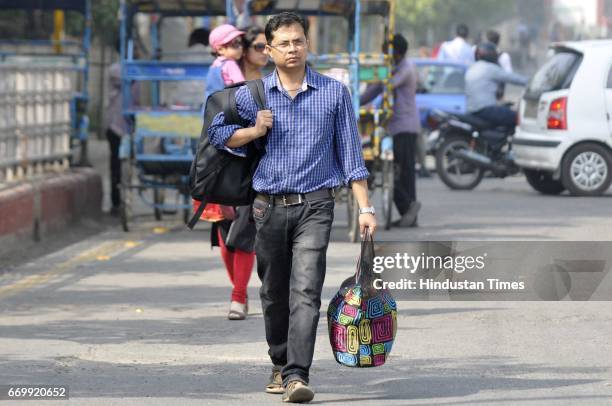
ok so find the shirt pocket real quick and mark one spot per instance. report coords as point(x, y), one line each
point(315, 124)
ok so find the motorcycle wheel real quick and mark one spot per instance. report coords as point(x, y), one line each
point(454, 172)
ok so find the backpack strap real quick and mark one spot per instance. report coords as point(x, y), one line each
point(196, 215)
point(231, 112)
point(256, 87)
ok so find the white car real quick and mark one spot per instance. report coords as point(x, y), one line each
point(564, 137)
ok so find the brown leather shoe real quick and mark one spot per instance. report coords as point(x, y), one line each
point(275, 385)
point(297, 392)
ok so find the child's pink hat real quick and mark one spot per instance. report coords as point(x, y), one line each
point(222, 35)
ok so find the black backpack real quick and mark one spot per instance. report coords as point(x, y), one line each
point(217, 176)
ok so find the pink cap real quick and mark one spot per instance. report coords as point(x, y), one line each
point(222, 35)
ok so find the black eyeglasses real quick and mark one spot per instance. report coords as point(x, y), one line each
point(284, 46)
point(259, 46)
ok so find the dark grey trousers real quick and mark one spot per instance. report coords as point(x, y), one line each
point(404, 188)
point(291, 247)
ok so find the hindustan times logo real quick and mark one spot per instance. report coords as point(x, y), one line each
point(414, 263)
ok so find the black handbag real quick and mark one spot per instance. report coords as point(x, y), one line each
point(241, 233)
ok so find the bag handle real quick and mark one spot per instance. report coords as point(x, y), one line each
point(366, 242)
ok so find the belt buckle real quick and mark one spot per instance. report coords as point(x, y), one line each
point(300, 200)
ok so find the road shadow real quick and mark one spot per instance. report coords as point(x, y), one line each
point(420, 379)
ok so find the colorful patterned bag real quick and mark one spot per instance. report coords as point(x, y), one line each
point(361, 319)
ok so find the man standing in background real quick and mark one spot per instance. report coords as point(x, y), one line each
point(404, 126)
point(458, 50)
point(116, 126)
point(504, 58)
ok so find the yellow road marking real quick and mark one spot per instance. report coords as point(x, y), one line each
point(132, 244)
point(103, 252)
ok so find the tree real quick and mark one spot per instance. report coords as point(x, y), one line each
point(105, 20)
point(440, 16)
point(36, 24)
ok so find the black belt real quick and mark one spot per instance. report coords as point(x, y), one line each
point(293, 199)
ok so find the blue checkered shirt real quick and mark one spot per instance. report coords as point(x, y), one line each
point(313, 143)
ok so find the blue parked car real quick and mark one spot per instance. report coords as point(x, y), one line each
point(441, 86)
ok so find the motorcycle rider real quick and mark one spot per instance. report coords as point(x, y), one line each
point(482, 81)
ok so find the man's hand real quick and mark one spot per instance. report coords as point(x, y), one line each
point(243, 136)
point(263, 122)
point(360, 192)
point(367, 220)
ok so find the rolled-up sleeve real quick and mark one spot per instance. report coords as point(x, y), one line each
point(219, 132)
point(347, 140)
point(370, 93)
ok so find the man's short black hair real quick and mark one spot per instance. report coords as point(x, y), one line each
point(493, 36)
point(462, 31)
point(284, 19)
point(400, 45)
point(198, 36)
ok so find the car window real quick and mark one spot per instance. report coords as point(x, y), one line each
point(609, 85)
point(440, 79)
point(556, 74)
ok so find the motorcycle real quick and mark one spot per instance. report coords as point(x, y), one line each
point(466, 148)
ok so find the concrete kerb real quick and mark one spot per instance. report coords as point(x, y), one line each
point(34, 209)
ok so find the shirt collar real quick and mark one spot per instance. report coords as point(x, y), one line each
point(310, 80)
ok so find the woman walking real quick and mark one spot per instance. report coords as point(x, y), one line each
point(253, 59)
point(235, 233)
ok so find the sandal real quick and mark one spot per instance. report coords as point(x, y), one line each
point(237, 311)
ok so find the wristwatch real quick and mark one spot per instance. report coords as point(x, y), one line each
point(370, 210)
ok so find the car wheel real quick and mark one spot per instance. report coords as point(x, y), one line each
point(543, 182)
point(587, 170)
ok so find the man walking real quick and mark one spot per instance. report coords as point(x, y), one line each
point(458, 50)
point(404, 126)
point(312, 147)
